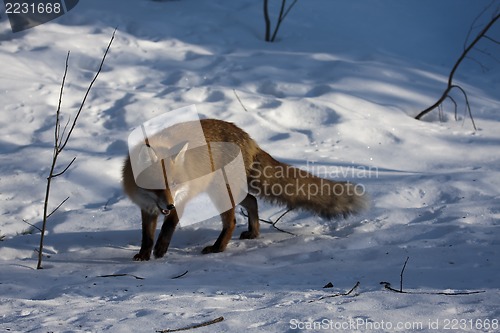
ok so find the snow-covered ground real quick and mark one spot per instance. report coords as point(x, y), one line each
point(336, 94)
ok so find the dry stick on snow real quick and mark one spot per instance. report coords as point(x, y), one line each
point(206, 323)
point(123, 274)
point(60, 142)
point(387, 286)
point(180, 275)
point(401, 275)
point(273, 224)
point(338, 294)
point(451, 86)
point(32, 225)
point(239, 100)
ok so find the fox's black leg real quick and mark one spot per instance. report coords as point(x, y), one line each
point(148, 233)
point(250, 204)
point(167, 230)
point(228, 224)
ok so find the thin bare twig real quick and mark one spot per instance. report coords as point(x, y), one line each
point(179, 276)
point(456, 106)
point(60, 143)
point(58, 206)
point(32, 225)
point(239, 100)
point(401, 275)
point(338, 294)
point(491, 39)
point(267, 21)
point(450, 86)
point(282, 10)
point(206, 323)
point(55, 154)
point(489, 55)
point(123, 274)
point(474, 22)
point(58, 111)
point(88, 91)
point(64, 170)
point(387, 286)
point(281, 17)
point(273, 224)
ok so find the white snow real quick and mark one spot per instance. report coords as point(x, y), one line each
point(336, 94)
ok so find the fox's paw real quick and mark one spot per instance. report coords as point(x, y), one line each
point(207, 250)
point(141, 256)
point(211, 249)
point(159, 251)
point(248, 235)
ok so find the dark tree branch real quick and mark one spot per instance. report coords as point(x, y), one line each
point(58, 111)
point(474, 22)
point(267, 21)
point(456, 106)
point(180, 275)
point(491, 39)
point(206, 323)
point(122, 274)
point(450, 86)
point(55, 154)
point(338, 294)
point(387, 286)
point(34, 226)
point(467, 104)
point(60, 143)
point(273, 224)
point(58, 206)
point(239, 100)
point(401, 275)
point(88, 91)
point(66, 168)
point(281, 17)
point(488, 54)
point(288, 9)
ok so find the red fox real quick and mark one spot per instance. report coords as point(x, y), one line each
point(266, 177)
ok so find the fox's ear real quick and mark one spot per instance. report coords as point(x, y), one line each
point(180, 156)
point(147, 156)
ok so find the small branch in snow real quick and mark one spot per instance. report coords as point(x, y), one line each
point(281, 17)
point(387, 286)
point(338, 294)
point(273, 224)
point(491, 39)
point(401, 275)
point(451, 85)
point(55, 209)
point(123, 274)
point(179, 276)
point(239, 100)
point(32, 225)
point(206, 323)
point(60, 141)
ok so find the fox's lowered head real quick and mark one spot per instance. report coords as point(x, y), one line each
point(154, 202)
point(159, 187)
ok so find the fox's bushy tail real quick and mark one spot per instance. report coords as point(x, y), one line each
point(284, 184)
